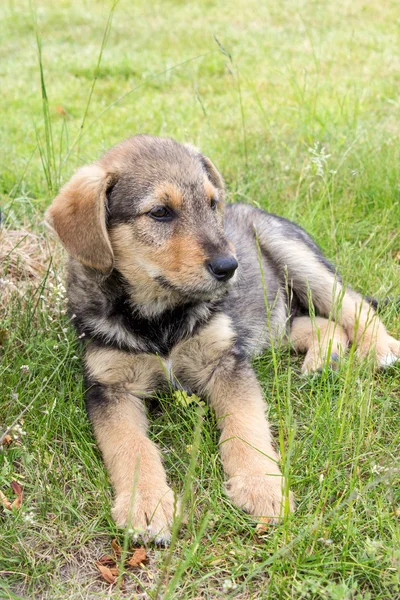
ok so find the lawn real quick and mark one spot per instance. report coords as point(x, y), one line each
point(297, 103)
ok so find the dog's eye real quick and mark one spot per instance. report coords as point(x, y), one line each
point(213, 204)
point(161, 213)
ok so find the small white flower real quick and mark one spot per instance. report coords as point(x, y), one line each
point(377, 469)
point(229, 585)
point(25, 369)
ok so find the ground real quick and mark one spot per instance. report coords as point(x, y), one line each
point(297, 103)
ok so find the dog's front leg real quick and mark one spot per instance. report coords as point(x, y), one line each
point(143, 499)
point(210, 363)
point(255, 482)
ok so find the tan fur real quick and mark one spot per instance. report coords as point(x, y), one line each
point(215, 177)
point(318, 339)
point(194, 360)
point(247, 454)
point(111, 367)
point(131, 261)
point(210, 189)
point(181, 257)
point(180, 260)
point(170, 195)
point(78, 217)
point(332, 300)
point(142, 496)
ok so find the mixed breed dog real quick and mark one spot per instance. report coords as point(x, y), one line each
point(167, 285)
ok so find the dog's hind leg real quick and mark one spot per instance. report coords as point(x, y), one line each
point(299, 260)
point(322, 341)
point(143, 499)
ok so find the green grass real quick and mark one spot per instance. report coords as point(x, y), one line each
point(300, 113)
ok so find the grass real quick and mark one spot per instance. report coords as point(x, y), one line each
point(297, 103)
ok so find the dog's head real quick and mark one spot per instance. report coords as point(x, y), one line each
point(153, 209)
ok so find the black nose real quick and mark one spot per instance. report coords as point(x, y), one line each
point(223, 267)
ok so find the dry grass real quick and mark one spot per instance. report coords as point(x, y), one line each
point(26, 260)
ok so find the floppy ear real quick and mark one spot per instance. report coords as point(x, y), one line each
point(212, 172)
point(78, 216)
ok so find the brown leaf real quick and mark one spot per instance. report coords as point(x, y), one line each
point(106, 573)
point(139, 556)
point(106, 560)
point(17, 489)
point(5, 501)
point(398, 256)
point(7, 440)
point(117, 549)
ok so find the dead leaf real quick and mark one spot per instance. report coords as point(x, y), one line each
point(139, 556)
point(106, 573)
point(17, 489)
point(116, 549)
point(398, 256)
point(106, 560)
point(7, 440)
point(5, 501)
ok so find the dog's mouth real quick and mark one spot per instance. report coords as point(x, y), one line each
point(207, 290)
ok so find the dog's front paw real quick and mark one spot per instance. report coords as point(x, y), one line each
point(148, 512)
point(259, 495)
point(385, 350)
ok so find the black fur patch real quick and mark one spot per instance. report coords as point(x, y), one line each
point(95, 395)
point(157, 335)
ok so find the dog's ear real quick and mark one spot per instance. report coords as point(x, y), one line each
point(212, 172)
point(78, 216)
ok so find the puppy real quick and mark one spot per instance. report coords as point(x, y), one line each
point(165, 284)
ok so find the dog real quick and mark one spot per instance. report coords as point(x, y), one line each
point(167, 285)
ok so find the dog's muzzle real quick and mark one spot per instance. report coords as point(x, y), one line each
point(222, 267)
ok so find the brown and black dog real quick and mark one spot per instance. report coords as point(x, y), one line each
point(168, 285)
